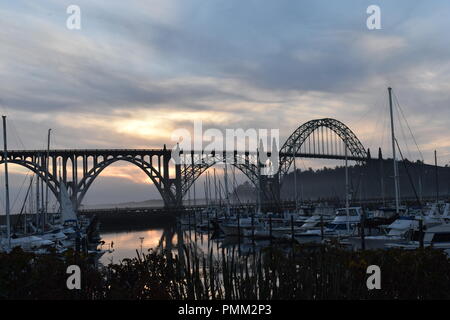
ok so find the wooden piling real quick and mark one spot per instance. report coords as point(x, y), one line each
point(421, 234)
point(292, 229)
point(270, 229)
point(321, 227)
point(363, 223)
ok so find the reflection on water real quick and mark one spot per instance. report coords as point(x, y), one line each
point(126, 243)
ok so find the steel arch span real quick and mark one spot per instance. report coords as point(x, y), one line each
point(306, 133)
point(199, 163)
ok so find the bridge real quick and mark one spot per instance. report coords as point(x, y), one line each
point(78, 169)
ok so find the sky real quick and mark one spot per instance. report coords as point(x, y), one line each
point(138, 70)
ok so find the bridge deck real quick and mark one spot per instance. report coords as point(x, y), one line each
point(80, 152)
point(143, 152)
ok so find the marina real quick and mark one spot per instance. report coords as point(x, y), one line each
point(219, 223)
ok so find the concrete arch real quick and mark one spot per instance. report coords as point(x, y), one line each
point(53, 183)
point(152, 173)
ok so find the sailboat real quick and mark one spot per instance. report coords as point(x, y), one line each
point(68, 215)
point(399, 225)
point(406, 226)
point(77, 231)
point(8, 242)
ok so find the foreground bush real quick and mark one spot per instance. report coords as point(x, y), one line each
point(324, 272)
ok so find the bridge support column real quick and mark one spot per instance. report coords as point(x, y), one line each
point(168, 182)
point(178, 190)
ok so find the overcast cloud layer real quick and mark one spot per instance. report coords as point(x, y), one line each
point(139, 69)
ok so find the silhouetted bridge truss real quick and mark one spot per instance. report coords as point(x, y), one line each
point(78, 169)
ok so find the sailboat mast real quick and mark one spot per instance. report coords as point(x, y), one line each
point(220, 193)
point(215, 187)
point(42, 200)
point(437, 175)
point(209, 188)
point(258, 185)
point(193, 184)
point(5, 155)
point(29, 199)
point(38, 209)
point(227, 198)
point(347, 193)
point(397, 192)
point(46, 173)
point(206, 190)
point(295, 185)
point(380, 158)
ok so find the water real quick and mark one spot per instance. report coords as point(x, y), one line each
point(126, 243)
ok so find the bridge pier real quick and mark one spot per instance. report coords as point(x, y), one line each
point(270, 193)
point(178, 189)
